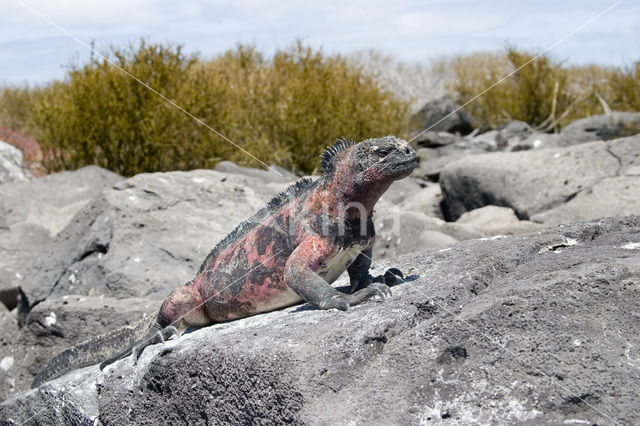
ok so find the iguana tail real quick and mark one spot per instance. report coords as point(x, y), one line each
point(95, 350)
point(157, 333)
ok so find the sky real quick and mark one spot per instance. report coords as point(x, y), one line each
point(40, 38)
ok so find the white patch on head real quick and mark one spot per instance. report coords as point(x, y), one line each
point(50, 319)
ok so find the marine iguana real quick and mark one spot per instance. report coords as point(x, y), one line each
point(289, 251)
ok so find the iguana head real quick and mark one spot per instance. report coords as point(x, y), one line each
point(384, 159)
point(365, 170)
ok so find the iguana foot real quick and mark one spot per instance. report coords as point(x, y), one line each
point(160, 336)
point(391, 277)
point(342, 301)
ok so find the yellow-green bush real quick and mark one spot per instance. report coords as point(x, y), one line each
point(545, 93)
point(625, 89)
point(15, 107)
point(284, 110)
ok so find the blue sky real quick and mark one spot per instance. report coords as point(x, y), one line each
point(33, 51)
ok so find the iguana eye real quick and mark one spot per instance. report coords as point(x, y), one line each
point(383, 152)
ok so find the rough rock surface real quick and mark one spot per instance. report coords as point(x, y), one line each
point(401, 190)
point(484, 332)
point(399, 232)
point(431, 139)
point(514, 131)
point(534, 141)
point(9, 332)
point(434, 115)
point(601, 127)
point(55, 325)
point(426, 200)
point(145, 235)
point(533, 182)
point(11, 169)
point(433, 160)
point(494, 220)
point(33, 212)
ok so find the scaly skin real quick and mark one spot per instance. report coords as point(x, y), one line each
point(294, 248)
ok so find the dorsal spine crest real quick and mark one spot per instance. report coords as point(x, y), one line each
point(329, 155)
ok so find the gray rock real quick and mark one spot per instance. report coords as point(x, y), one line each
point(33, 212)
point(528, 329)
point(426, 200)
point(399, 231)
point(601, 127)
point(439, 116)
point(534, 141)
point(9, 333)
point(11, 169)
point(146, 235)
point(493, 220)
point(514, 130)
point(484, 142)
point(274, 174)
point(537, 181)
point(435, 139)
point(614, 196)
point(57, 324)
point(433, 160)
point(402, 189)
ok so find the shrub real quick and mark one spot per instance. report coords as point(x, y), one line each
point(625, 89)
point(283, 110)
point(544, 93)
point(534, 94)
point(15, 107)
point(101, 116)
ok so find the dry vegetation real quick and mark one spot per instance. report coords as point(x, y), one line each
point(283, 109)
point(544, 93)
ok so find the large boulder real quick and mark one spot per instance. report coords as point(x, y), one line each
point(433, 160)
point(11, 168)
point(535, 182)
point(145, 235)
point(601, 128)
point(430, 139)
point(493, 221)
point(33, 212)
point(399, 232)
point(520, 330)
point(443, 115)
point(425, 200)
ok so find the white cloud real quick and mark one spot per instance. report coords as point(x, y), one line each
point(409, 29)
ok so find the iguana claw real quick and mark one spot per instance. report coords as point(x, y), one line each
point(159, 336)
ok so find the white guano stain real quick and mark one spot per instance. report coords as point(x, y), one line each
point(50, 319)
point(6, 363)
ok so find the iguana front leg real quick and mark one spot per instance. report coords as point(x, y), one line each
point(360, 277)
point(301, 275)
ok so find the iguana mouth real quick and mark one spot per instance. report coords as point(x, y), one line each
point(405, 167)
